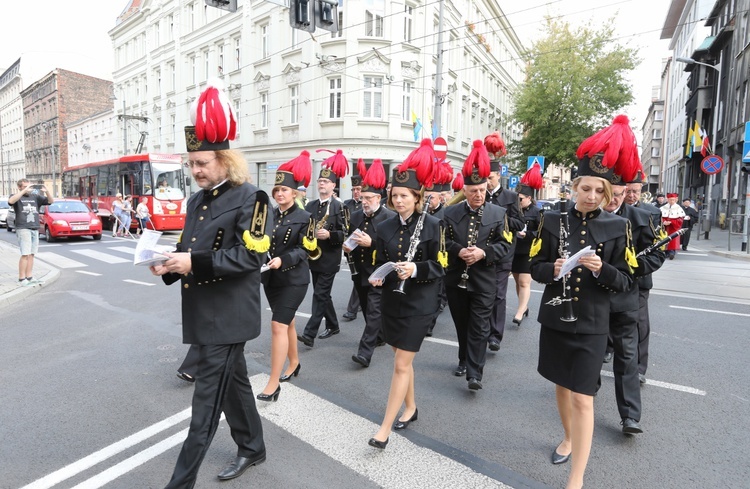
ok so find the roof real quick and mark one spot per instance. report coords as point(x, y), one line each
point(673, 18)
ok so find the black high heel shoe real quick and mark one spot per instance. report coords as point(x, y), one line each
point(519, 321)
point(269, 397)
point(377, 443)
point(401, 425)
point(287, 378)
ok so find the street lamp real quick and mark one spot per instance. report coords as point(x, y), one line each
point(691, 61)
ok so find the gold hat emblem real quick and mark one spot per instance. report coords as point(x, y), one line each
point(475, 178)
point(191, 140)
point(402, 177)
point(279, 178)
point(326, 173)
point(595, 163)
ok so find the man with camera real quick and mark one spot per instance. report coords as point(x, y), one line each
point(26, 203)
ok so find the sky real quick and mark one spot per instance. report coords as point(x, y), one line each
point(72, 34)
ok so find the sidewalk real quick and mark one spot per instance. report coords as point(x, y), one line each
point(10, 290)
point(720, 243)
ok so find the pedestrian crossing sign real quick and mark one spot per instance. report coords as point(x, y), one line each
point(535, 159)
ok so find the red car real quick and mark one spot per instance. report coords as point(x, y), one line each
point(68, 217)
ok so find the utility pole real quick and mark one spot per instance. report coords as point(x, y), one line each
point(437, 122)
point(125, 118)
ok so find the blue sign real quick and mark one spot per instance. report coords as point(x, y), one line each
point(712, 164)
point(746, 146)
point(504, 170)
point(535, 159)
point(513, 181)
point(272, 166)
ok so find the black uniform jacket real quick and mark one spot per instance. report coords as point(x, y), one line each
point(456, 220)
point(353, 206)
point(287, 231)
point(508, 200)
point(330, 261)
point(642, 238)
point(221, 295)
point(437, 213)
point(646, 282)
point(531, 217)
point(422, 291)
point(364, 258)
point(607, 234)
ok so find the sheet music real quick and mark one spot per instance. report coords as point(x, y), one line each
point(382, 271)
point(350, 243)
point(573, 261)
point(148, 252)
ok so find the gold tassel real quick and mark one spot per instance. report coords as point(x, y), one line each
point(536, 247)
point(258, 245)
point(630, 257)
point(309, 244)
point(508, 235)
point(373, 256)
point(442, 258)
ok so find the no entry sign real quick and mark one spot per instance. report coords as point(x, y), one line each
point(712, 164)
point(441, 148)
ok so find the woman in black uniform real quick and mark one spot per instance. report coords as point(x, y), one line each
point(407, 316)
point(575, 322)
point(286, 281)
point(521, 267)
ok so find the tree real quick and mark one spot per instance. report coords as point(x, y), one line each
point(574, 86)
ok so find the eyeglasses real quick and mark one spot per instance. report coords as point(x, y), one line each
point(198, 163)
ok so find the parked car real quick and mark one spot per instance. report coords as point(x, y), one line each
point(10, 220)
point(4, 208)
point(66, 218)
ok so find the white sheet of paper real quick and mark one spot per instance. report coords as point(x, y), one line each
point(572, 261)
point(350, 243)
point(148, 252)
point(383, 270)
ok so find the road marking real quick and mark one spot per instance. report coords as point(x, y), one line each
point(711, 310)
point(666, 385)
point(137, 282)
point(442, 342)
point(48, 245)
point(89, 273)
point(80, 243)
point(59, 261)
point(98, 255)
point(124, 249)
point(89, 461)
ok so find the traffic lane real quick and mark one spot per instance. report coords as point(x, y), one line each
point(705, 276)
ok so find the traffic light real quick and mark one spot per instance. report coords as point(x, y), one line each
point(302, 15)
point(230, 5)
point(745, 167)
point(327, 15)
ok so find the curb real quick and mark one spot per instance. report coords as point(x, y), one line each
point(22, 292)
point(731, 254)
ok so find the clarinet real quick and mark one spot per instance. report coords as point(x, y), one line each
point(414, 242)
point(565, 299)
point(472, 241)
point(660, 243)
point(349, 258)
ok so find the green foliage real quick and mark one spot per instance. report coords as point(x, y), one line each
point(574, 86)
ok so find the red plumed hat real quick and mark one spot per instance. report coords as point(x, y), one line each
point(422, 162)
point(295, 172)
point(374, 179)
point(477, 164)
point(334, 167)
point(213, 121)
point(495, 144)
point(458, 182)
point(613, 149)
point(531, 180)
point(362, 168)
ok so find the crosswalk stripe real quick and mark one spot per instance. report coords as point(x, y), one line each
point(136, 282)
point(89, 273)
point(98, 255)
point(124, 249)
point(59, 261)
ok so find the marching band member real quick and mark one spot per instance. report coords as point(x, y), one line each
point(367, 220)
point(508, 200)
point(412, 239)
point(286, 281)
point(477, 238)
point(441, 183)
point(325, 260)
point(521, 267)
point(353, 205)
point(574, 312)
point(672, 215)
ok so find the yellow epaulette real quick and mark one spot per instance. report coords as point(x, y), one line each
point(629, 250)
point(255, 238)
point(536, 243)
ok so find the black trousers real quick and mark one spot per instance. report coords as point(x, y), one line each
point(497, 318)
point(322, 304)
point(685, 238)
point(471, 316)
point(644, 330)
point(369, 297)
point(221, 384)
point(623, 329)
point(354, 302)
point(190, 363)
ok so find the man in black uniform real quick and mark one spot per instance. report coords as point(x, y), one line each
point(218, 262)
point(353, 205)
point(475, 244)
point(329, 216)
point(508, 200)
point(365, 221)
point(442, 182)
point(691, 217)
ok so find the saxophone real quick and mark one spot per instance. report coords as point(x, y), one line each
point(317, 252)
point(472, 241)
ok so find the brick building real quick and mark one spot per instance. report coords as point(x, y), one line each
point(49, 105)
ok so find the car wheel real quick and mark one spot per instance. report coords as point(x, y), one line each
point(97, 237)
point(48, 235)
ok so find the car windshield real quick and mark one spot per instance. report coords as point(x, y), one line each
point(68, 207)
point(168, 180)
point(4, 204)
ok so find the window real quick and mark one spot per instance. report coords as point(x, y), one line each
point(157, 76)
point(237, 116)
point(193, 69)
point(170, 21)
point(655, 152)
point(221, 59)
point(295, 38)
point(191, 16)
point(658, 115)
point(407, 22)
point(172, 128)
point(264, 110)
point(372, 106)
point(374, 11)
point(334, 98)
point(656, 134)
point(157, 27)
point(340, 32)
point(206, 68)
point(264, 41)
point(172, 76)
point(406, 101)
point(294, 103)
point(237, 60)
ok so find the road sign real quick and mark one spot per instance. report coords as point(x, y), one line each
point(712, 164)
point(503, 170)
point(513, 181)
point(535, 159)
point(441, 148)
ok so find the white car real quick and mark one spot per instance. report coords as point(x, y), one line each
point(4, 208)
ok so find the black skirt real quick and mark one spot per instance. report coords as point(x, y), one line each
point(406, 333)
point(285, 301)
point(571, 360)
point(521, 263)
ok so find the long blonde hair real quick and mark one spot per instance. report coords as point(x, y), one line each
point(235, 164)
point(607, 189)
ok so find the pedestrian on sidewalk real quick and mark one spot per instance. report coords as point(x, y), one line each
point(26, 203)
point(672, 216)
point(691, 217)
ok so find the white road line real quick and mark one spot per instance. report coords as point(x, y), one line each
point(105, 257)
point(137, 282)
point(687, 253)
point(123, 249)
point(89, 273)
point(442, 342)
point(89, 461)
point(80, 243)
point(711, 310)
point(49, 245)
point(666, 385)
point(59, 261)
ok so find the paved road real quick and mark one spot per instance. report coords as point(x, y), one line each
point(90, 398)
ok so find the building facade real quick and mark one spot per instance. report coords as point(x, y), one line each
point(11, 129)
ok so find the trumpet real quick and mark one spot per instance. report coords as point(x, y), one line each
point(317, 252)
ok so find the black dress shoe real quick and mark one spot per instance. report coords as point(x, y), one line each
point(474, 384)
point(642, 378)
point(287, 378)
point(240, 465)
point(349, 316)
point(380, 343)
point(631, 426)
point(361, 360)
point(494, 345)
point(377, 443)
point(608, 357)
point(274, 396)
point(460, 370)
point(401, 425)
point(328, 333)
point(558, 459)
point(428, 334)
point(305, 340)
point(517, 321)
point(186, 377)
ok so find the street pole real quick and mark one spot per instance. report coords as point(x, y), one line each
point(124, 129)
point(439, 76)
